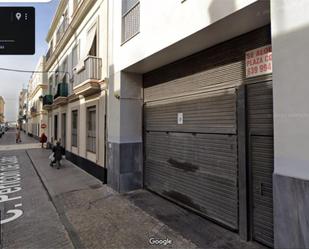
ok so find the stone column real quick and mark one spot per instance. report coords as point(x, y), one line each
point(125, 148)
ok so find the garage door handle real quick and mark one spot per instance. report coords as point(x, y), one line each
point(261, 189)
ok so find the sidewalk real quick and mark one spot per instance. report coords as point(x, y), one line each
point(94, 215)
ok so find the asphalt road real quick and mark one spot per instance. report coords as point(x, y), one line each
point(28, 217)
point(10, 138)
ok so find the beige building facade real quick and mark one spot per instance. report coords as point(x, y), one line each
point(77, 69)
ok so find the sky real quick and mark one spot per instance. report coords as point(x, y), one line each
point(11, 83)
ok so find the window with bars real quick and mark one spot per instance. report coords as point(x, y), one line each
point(74, 127)
point(91, 129)
point(130, 19)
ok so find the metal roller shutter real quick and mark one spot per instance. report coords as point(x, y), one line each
point(188, 165)
point(195, 162)
point(260, 128)
point(213, 112)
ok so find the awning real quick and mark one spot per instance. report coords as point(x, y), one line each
point(90, 39)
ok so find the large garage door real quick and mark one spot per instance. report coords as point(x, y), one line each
point(190, 124)
point(194, 162)
point(260, 128)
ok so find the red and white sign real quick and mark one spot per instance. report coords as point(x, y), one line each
point(259, 61)
point(43, 126)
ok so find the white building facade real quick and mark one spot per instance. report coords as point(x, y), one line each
point(77, 66)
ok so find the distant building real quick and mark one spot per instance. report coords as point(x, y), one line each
point(22, 109)
point(2, 103)
point(37, 88)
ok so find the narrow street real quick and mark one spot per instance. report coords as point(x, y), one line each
point(37, 224)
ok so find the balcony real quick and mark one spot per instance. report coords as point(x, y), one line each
point(87, 76)
point(62, 93)
point(62, 28)
point(47, 102)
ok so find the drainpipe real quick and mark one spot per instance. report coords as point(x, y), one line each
point(107, 85)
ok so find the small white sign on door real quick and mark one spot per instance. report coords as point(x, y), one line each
point(179, 118)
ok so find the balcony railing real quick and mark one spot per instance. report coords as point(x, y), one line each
point(62, 28)
point(62, 90)
point(48, 99)
point(90, 70)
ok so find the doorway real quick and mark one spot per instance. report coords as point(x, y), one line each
point(63, 129)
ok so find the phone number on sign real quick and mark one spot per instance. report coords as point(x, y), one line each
point(260, 69)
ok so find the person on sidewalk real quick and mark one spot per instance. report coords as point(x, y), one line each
point(18, 140)
point(43, 139)
point(58, 152)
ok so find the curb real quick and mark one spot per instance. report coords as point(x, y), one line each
point(73, 235)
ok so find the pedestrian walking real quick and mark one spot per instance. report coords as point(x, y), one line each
point(43, 139)
point(18, 139)
point(58, 151)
